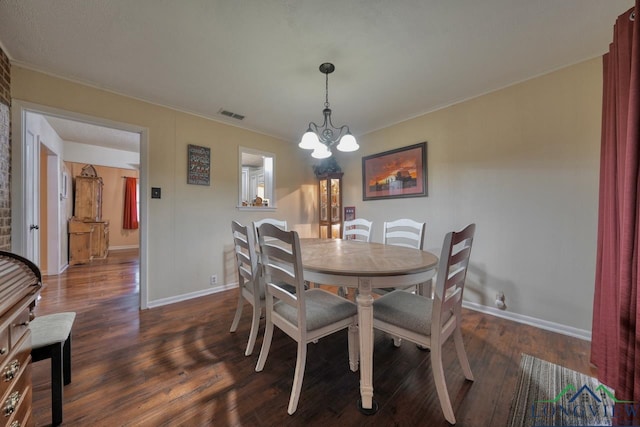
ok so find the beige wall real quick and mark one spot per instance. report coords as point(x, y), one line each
point(113, 203)
point(189, 228)
point(523, 164)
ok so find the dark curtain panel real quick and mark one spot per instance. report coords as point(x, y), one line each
point(615, 348)
point(130, 220)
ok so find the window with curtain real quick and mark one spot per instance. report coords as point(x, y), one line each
point(615, 346)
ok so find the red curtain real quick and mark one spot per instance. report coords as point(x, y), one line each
point(130, 221)
point(615, 346)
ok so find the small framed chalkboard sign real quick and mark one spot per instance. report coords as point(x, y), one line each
point(198, 165)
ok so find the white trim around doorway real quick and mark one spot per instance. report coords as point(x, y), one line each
point(19, 170)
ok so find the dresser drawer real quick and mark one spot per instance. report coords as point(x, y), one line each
point(12, 370)
point(80, 227)
point(19, 326)
point(28, 420)
point(16, 407)
point(21, 415)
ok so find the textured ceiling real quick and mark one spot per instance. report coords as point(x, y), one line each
point(86, 133)
point(394, 59)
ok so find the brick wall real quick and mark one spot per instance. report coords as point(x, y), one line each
point(5, 152)
point(5, 79)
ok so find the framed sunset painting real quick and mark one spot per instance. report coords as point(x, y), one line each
point(396, 173)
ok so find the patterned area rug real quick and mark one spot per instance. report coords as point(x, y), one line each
point(550, 395)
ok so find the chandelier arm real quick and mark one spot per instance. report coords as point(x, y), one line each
point(343, 127)
point(336, 127)
point(317, 127)
point(339, 129)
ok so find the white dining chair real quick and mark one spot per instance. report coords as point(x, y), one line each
point(280, 223)
point(306, 316)
point(430, 322)
point(357, 229)
point(402, 232)
point(250, 288)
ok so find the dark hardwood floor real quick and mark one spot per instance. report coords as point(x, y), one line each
point(179, 365)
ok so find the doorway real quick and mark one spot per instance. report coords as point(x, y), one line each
point(52, 154)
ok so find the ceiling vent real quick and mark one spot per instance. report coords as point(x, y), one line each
point(231, 114)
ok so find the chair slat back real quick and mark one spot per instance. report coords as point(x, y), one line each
point(281, 224)
point(452, 272)
point(357, 229)
point(282, 263)
point(404, 232)
point(245, 252)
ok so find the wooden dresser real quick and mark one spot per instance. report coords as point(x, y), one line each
point(20, 283)
point(88, 240)
point(88, 232)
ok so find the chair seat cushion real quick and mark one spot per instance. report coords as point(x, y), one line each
point(323, 308)
point(287, 287)
point(406, 310)
point(51, 328)
point(249, 287)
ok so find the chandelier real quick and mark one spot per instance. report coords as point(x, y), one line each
point(322, 138)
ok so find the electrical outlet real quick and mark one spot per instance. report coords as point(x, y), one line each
point(214, 279)
point(500, 301)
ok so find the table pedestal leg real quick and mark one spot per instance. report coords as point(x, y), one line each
point(366, 404)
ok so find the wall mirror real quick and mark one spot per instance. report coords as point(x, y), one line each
point(257, 180)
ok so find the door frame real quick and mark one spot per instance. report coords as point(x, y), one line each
point(31, 216)
point(19, 110)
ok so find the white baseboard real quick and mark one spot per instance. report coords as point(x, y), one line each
point(185, 297)
point(520, 318)
point(61, 270)
point(532, 321)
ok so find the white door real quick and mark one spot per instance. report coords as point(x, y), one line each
point(32, 185)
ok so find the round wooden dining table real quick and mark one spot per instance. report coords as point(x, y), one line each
point(365, 266)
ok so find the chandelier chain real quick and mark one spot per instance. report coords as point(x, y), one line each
point(326, 90)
